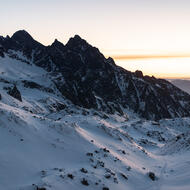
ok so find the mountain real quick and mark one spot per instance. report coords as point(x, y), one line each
point(68, 121)
point(182, 84)
point(85, 77)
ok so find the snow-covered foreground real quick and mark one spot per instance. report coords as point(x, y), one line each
point(50, 150)
point(48, 143)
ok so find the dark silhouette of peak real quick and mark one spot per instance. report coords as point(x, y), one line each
point(22, 35)
point(139, 73)
point(7, 37)
point(110, 61)
point(78, 38)
point(23, 38)
point(22, 41)
point(57, 44)
point(77, 42)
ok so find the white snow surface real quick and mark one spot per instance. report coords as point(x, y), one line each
point(42, 146)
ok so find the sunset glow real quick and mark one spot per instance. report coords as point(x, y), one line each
point(162, 67)
point(118, 28)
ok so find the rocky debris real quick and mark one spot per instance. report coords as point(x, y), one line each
point(105, 150)
point(105, 188)
point(15, 93)
point(40, 188)
point(107, 175)
point(145, 142)
point(124, 176)
point(31, 84)
point(179, 143)
point(157, 135)
point(122, 151)
point(89, 154)
point(152, 176)
point(99, 164)
point(83, 170)
point(70, 176)
point(84, 182)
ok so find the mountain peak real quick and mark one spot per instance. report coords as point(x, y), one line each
point(77, 37)
point(24, 39)
point(57, 44)
point(76, 41)
point(21, 35)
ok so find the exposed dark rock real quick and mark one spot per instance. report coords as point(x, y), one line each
point(40, 188)
point(1, 52)
point(105, 150)
point(15, 93)
point(89, 154)
point(31, 84)
point(70, 176)
point(105, 188)
point(100, 163)
point(124, 176)
point(152, 176)
point(84, 182)
point(4, 81)
point(139, 74)
point(83, 170)
point(107, 175)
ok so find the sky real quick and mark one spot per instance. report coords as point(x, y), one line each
point(116, 27)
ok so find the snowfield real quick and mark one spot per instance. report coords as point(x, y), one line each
point(48, 143)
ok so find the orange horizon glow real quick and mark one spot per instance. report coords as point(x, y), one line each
point(141, 56)
point(166, 66)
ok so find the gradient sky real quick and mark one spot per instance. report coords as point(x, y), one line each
point(116, 27)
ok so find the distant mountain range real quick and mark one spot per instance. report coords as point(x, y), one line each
point(182, 84)
point(87, 79)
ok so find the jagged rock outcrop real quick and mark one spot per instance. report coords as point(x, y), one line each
point(84, 76)
point(15, 93)
point(1, 52)
point(139, 74)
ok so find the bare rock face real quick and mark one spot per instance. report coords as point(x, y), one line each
point(2, 52)
point(15, 93)
point(139, 74)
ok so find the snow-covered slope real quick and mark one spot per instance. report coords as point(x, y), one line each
point(46, 142)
